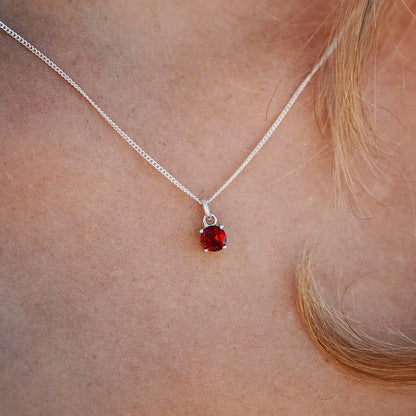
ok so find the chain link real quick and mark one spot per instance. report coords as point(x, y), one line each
point(138, 149)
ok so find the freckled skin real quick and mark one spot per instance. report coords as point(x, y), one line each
point(109, 304)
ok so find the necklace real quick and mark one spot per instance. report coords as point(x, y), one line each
point(212, 235)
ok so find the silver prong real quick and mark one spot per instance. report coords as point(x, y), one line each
point(222, 227)
point(225, 247)
point(206, 250)
point(201, 230)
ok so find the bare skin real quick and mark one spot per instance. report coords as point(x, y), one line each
point(108, 304)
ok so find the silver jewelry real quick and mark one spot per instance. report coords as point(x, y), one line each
point(213, 237)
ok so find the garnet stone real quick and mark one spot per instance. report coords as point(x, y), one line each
point(213, 238)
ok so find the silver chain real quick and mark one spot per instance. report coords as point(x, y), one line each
point(138, 149)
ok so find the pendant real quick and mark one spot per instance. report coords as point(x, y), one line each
point(213, 237)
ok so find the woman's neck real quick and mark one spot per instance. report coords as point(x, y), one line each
point(172, 26)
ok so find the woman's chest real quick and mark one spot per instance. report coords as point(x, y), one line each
point(108, 296)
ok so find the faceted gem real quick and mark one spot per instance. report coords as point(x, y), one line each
point(213, 238)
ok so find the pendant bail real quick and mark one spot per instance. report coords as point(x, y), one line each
point(209, 217)
point(206, 208)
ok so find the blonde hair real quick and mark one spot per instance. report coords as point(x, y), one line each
point(350, 348)
point(353, 140)
point(340, 96)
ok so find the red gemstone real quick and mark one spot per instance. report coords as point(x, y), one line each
point(213, 238)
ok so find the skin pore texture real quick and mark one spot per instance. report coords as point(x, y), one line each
point(109, 306)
